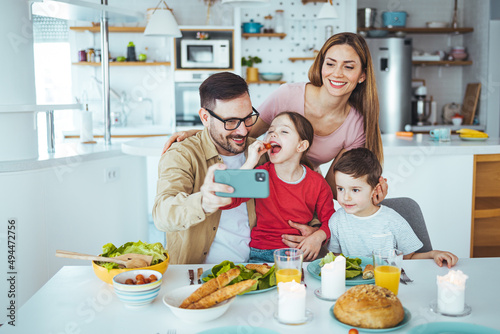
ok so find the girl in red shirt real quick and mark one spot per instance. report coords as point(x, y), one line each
point(296, 192)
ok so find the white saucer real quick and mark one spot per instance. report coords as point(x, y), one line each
point(307, 319)
point(434, 308)
point(317, 293)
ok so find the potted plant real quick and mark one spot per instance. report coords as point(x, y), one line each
point(252, 72)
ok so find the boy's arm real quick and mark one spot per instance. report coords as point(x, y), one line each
point(437, 255)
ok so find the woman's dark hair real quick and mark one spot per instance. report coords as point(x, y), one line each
point(359, 162)
point(364, 98)
point(305, 131)
point(221, 86)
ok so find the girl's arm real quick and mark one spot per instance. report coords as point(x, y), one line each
point(255, 151)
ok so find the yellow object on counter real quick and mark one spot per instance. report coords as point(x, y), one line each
point(404, 134)
point(470, 133)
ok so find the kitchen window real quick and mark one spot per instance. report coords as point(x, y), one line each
point(52, 71)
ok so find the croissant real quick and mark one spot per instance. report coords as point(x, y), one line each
point(223, 294)
point(261, 268)
point(368, 272)
point(213, 285)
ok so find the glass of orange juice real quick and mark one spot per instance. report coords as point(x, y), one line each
point(387, 263)
point(288, 264)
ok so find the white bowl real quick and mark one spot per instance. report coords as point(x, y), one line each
point(456, 121)
point(137, 295)
point(175, 298)
point(437, 24)
point(268, 76)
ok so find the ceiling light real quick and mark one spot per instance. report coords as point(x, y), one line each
point(162, 22)
point(328, 11)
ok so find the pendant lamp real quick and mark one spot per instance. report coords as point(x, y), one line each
point(328, 11)
point(162, 22)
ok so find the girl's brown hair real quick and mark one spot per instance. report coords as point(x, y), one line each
point(364, 97)
point(305, 131)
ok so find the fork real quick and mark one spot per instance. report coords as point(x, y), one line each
point(404, 278)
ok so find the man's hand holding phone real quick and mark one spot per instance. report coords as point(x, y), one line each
point(209, 201)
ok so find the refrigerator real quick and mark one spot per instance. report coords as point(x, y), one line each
point(391, 58)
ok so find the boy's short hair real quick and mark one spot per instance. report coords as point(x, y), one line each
point(359, 162)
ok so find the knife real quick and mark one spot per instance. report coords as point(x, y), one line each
point(191, 276)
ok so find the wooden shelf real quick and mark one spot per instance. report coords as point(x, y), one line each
point(487, 207)
point(110, 29)
point(423, 30)
point(266, 82)
point(441, 62)
point(294, 59)
point(486, 251)
point(281, 35)
point(125, 63)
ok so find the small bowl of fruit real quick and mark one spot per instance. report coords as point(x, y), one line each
point(137, 287)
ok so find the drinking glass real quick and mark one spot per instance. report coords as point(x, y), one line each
point(387, 265)
point(288, 264)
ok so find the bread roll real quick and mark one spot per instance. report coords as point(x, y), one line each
point(369, 306)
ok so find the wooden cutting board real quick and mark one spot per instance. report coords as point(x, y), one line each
point(469, 105)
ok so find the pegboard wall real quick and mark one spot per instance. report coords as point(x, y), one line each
point(304, 34)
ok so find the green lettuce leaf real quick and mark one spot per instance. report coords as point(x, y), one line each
point(352, 265)
point(139, 247)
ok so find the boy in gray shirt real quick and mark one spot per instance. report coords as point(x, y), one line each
point(360, 226)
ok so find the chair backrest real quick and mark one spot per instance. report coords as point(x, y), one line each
point(411, 212)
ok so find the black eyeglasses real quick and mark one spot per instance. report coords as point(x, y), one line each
point(234, 123)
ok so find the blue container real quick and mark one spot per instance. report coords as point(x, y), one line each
point(394, 19)
point(251, 27)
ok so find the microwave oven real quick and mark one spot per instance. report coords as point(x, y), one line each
point(204, 53)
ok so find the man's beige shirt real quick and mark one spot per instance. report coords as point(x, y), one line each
point(177, 209)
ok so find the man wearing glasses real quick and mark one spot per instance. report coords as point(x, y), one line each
point(186, 206)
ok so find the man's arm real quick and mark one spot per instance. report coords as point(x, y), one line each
point(178, 203)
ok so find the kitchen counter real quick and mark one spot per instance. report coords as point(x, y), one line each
point(393, 146)
point(124, 132)
point(67, 153)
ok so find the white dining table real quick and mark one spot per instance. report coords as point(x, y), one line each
point(74, 300)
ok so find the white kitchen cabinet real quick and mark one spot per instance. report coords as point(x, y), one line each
point(69, 205)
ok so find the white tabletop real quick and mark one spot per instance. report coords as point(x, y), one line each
point(76, 301)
